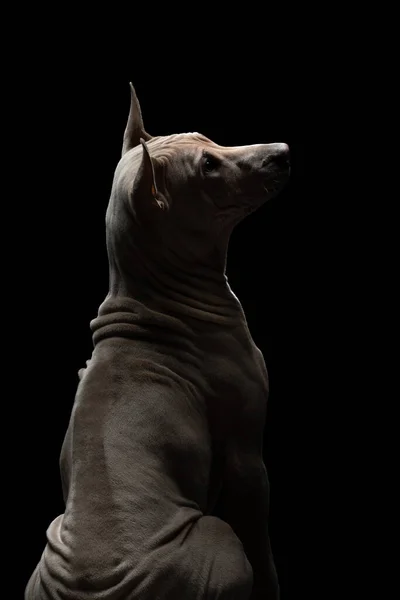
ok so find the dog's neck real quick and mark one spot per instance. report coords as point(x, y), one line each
point(203, 294)
point(164, 283)
point(133, 310)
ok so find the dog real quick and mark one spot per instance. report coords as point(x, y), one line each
point(168, 417)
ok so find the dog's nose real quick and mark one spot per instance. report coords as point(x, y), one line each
point(279, 154)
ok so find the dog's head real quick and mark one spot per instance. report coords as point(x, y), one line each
point(181, 195)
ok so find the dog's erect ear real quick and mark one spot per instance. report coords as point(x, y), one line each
point(146, 195)
point(134, 128)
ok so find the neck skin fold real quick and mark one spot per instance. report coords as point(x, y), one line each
point(197, 292)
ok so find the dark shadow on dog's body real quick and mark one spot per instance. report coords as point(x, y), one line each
point(169, 414)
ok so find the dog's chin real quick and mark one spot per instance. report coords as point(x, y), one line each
point(273, 185)
point(270, 189)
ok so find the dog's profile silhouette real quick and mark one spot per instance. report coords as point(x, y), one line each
point(169, 413)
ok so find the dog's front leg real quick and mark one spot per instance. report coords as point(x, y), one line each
point(244, 504)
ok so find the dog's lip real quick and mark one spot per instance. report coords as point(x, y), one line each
point(280, 173)
point(276, 182)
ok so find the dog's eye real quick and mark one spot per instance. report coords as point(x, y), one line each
point(210, 163)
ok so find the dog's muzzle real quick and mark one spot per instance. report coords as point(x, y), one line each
point(276, 166)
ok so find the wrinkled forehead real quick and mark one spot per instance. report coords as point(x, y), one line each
point(167, 149)
point(188, 142)
point(193, 144)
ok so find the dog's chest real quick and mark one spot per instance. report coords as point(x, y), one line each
point(238, 390)
point(237, 378)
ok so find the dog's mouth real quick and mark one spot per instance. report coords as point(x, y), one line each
point(275, 184)
point(271, 187)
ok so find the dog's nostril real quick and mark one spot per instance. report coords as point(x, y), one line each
point(282, 160)
point(280, 155)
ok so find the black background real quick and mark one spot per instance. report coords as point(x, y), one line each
point(79, 104)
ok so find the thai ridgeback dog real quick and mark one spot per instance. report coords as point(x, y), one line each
point(169, 412)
